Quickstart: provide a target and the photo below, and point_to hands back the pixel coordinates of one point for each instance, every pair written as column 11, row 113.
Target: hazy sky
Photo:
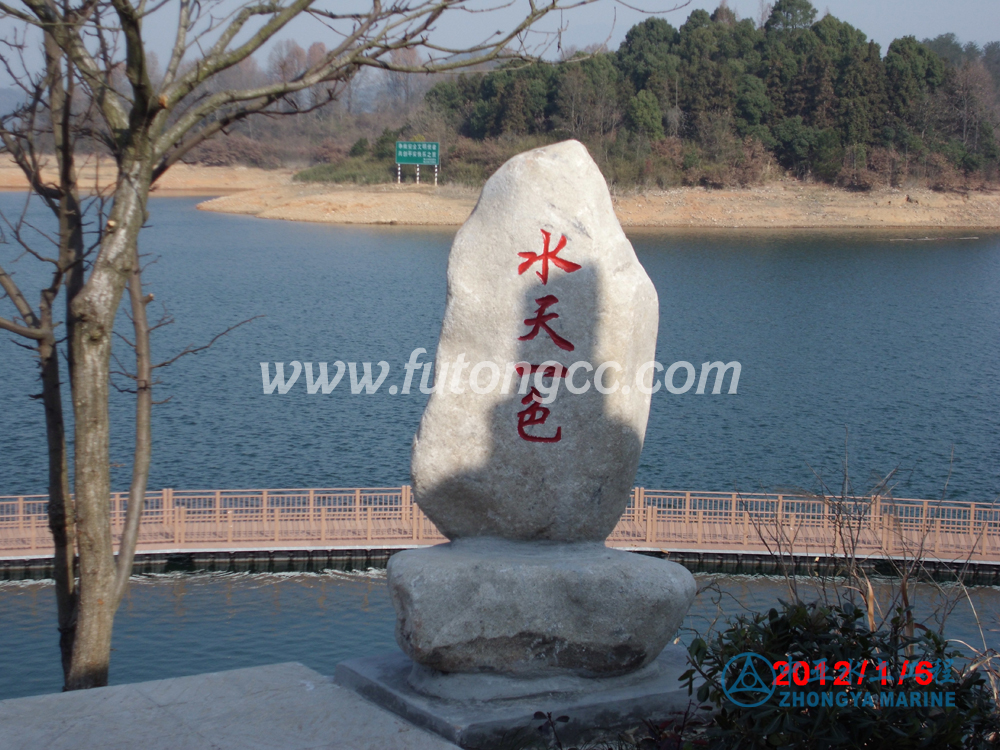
column 605, row 20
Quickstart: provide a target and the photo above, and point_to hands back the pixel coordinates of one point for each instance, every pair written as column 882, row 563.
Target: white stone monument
column 526, row 469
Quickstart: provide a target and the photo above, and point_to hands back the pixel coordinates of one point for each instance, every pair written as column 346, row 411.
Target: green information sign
column 418, row 152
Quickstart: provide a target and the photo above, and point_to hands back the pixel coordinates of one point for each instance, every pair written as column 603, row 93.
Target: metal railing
column 387, row 517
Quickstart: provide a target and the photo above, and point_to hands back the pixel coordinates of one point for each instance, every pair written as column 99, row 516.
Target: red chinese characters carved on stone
column 541, row 322
column 536, row 413
column 545, row 256
column 549, row 372
column 533, row 415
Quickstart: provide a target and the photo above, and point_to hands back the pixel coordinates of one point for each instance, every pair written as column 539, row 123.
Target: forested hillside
column 713, row 101
column 719, row 101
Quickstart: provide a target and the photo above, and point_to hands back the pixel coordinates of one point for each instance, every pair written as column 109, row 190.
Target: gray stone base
column 534, row 609
column 598, row 707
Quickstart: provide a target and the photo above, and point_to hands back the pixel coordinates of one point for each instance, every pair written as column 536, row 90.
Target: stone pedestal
column 530, row 609
column 476, row 711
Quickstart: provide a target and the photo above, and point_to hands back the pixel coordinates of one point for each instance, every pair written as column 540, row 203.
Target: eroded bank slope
column 780, row 204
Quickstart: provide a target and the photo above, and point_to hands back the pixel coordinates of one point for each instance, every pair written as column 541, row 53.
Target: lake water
column 171, row 626
column 893, row 344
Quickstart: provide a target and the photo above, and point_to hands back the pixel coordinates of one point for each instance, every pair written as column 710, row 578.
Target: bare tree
column 314, row 56
column 400, row 85
column 286, row 61
column 764, row 9
column 575, row 99
column 973, row 102
column 147, row 123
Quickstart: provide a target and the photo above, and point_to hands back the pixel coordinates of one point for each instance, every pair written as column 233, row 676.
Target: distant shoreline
column 779, row 205
column 193, row 180
column 784, row 204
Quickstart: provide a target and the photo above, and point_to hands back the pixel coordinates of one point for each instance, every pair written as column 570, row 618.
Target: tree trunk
column 95, row 308
column 61, row 521
column 62, row 514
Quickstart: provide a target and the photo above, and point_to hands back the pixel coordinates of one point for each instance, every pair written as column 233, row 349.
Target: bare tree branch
column 143, row 432
column 13, row 291
column 195, row 349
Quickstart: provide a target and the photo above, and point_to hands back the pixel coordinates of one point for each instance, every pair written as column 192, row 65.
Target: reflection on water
column 170, row 626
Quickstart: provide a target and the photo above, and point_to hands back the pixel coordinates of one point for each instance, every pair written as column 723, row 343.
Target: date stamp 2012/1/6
column 750, row 680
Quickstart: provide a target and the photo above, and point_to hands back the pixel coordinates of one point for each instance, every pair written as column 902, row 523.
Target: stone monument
column 526, row 464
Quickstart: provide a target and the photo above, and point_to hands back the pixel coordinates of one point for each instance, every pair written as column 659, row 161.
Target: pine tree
column 913, row 73
column 647, row 51
column 789, row 15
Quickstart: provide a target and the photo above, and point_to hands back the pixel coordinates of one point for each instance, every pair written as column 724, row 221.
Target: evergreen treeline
column 719, row 100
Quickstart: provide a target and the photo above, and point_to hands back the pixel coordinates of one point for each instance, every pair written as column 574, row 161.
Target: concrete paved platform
column 597, row 708
column 279, row 707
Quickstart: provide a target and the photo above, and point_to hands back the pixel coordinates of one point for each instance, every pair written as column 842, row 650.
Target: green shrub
column 828, row 155
column 644, row 115
column 811, row 633
column 360, row 148
column 385, row 145
column 360, row 171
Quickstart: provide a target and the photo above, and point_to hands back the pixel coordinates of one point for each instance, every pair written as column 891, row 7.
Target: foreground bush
column 812, row 633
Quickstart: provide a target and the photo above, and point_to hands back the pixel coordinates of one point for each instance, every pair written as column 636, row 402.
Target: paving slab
column 275, row 707
column 597, row 708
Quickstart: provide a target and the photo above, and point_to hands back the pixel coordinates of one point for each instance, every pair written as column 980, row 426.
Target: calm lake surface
column 171, row 626
column 893, row 345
